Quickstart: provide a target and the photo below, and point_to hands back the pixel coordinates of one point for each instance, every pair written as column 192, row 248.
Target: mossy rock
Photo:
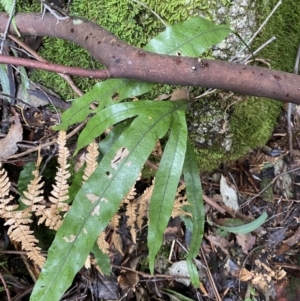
column 223, row 127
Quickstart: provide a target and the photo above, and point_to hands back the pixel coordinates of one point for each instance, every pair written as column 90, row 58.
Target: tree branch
column 125, row 61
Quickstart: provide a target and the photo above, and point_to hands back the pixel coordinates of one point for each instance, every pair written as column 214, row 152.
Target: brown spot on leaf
column 72, row 30
column 120, row 154
column 277, row 77
column 92, row 197
column 70, row 239
column 96, row 210
column 115, row 96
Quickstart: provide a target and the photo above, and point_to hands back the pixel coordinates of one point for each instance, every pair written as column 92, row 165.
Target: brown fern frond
column 34, row 193
column 19, row 231
column 5, row 198
column 91, row 160
column 52, row 216
column 131, row 218
column 102, row 243
column 88, row 263
column 114, row 223
column 18, row 221
column 180, row 202
column 130, row 212
column 116, row 239
column 143, row 205
column 49, row 216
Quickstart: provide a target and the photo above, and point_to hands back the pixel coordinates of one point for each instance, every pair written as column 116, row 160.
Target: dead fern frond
column 33, row 195
column 52, row 216
column 102, row 243
column 91, row 160
column 116, row 239
column 143, row 205
column 5, row 198
column 180, row 202
column 19, row 231
column 131, row 208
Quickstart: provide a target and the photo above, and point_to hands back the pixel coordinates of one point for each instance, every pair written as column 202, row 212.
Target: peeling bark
column 125, row 61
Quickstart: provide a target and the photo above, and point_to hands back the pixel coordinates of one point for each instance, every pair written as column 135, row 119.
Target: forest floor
column 261, row 265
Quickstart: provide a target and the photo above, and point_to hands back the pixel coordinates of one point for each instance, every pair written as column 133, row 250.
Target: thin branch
column 289, row 113
column 126, row 61
column 41, row 59
column 11, row 14
column 5, row 287
column 152, row 11
column 260, row 28
column 100, row 74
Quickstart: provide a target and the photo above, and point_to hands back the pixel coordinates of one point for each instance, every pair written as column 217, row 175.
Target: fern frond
column 5, row 198
column 91, row 160
column 131, row 207
column 143, row 205
column 34, row 193
column 180, row 202
column 19, row 231
column 116, row 239
column 102, row 243
column 51, row 216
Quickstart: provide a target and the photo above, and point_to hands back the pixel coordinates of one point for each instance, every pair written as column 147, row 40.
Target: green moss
column 285, row 25
column 246, row 124
column 252, row 120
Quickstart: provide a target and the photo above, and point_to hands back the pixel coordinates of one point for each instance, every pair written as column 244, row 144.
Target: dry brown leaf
column 220, row 242
column 178, row 94
column 245, row 275
column 8, row 145
column 246, row 241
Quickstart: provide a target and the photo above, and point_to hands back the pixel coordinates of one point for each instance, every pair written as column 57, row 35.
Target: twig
column 41, row 59
column 260, row 28
column 34, row 149
column 152, row 11
column 7, row 25
column 5, row 287
column 53, row 12
column 211, row 279
column 259, row 49
column 272, row 182
column 289, row 112
column 101, row 74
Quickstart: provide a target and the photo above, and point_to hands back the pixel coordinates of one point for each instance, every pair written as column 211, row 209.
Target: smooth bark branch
column 125, row 61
